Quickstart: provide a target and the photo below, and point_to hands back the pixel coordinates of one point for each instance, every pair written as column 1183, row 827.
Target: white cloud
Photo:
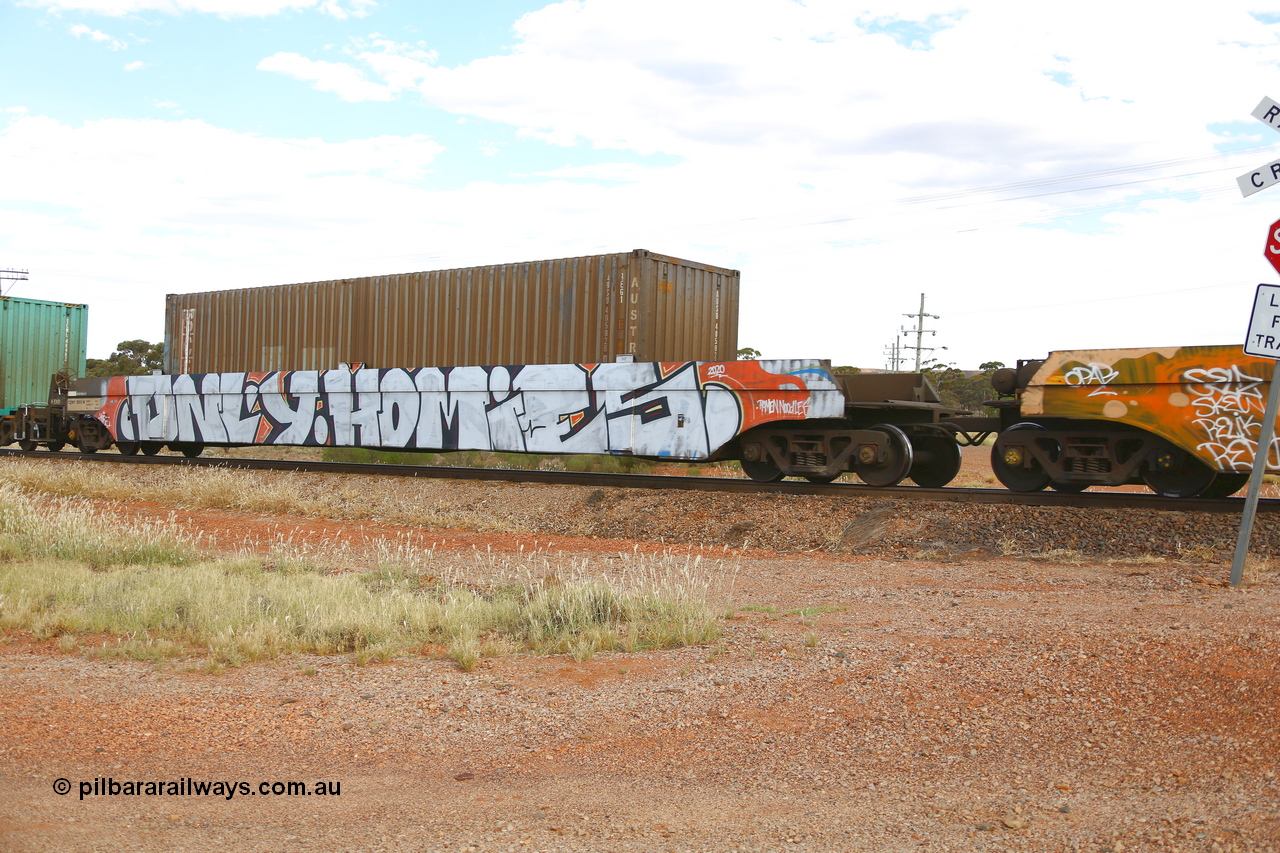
column 132, row 210
column 117, row 213
column 339, row 78
column 1047, row 181
column 135, row 66
column 341, row 9
column 630, row 172
column 822, row 88
column 81, row 31
column 402, row 66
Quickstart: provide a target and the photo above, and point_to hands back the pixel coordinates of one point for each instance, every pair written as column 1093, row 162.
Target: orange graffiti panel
column 1210, row 401
column 763, row 395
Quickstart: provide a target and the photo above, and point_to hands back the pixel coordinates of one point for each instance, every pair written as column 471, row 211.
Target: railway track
column 1094, row 500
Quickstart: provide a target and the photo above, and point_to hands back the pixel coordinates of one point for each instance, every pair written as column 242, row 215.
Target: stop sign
column 1273, row 245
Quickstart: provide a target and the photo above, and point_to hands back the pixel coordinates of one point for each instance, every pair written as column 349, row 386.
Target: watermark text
column 185, row 786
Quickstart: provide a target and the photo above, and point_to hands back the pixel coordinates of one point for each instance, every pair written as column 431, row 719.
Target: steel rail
column 1084, row 500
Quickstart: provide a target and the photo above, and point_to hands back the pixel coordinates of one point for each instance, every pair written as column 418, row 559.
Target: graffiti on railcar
column 1092, row 374
column 1228, row 404
column 685, row 410
column 1207, row 400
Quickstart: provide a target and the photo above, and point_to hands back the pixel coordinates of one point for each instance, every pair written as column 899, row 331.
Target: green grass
column 820, row 610
column 760, row 608
column 69, row 574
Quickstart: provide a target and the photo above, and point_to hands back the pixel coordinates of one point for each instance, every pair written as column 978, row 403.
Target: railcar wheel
column 1174, row 473
column 1068, row 488
column 1014, row 467
column 191, row 451
column 762, row 470
column 127, row 448
column 894, row 467
column 151, row 448
column 55, row 446
column 26, row 444
column 756, row 461
column 935, row 461
column 1225, row 485
column 822, row 478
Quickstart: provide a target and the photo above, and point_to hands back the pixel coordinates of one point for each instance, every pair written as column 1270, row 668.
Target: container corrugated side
column 588, row 309
column 691, row 307
column 38, row 338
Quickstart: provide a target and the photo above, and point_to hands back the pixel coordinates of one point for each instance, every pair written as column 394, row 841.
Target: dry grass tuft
column 249, row 491
column 1258, row 570
column 66, row 573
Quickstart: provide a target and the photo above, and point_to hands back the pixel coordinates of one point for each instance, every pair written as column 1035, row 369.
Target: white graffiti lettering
column 1228, row 405
column 645, row 409
column 1094, row 373
column 792, row 408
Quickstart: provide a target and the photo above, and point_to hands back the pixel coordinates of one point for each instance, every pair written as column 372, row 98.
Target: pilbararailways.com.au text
column 188, row 787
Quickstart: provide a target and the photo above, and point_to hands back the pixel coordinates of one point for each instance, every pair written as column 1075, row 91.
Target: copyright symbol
column 61, row 787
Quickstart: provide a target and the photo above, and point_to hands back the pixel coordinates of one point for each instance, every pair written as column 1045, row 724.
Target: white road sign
column 1267, row 112
column 1264, row 323
column 1259, row 179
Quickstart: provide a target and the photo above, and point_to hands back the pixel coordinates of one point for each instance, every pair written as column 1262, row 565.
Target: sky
column 1048, row 176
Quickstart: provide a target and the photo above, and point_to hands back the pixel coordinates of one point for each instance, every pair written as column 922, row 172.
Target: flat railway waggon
column 779, row 418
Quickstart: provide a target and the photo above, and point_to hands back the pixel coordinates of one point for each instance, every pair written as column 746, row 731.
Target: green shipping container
column 37, row 340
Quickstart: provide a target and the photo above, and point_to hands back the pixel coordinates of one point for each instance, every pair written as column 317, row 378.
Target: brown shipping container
column 585, row 310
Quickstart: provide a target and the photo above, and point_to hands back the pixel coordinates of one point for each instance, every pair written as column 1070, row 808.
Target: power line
column 11, row 275
column 1104, row 299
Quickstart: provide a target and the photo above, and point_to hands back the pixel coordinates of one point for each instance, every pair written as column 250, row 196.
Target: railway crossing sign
column 1268, row 112
column 1264, row 323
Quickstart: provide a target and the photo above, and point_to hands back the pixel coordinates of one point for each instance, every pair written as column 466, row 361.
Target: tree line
column 130, row 358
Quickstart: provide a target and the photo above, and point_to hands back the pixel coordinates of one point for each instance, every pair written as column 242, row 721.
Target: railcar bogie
column 880, row 456
column 894, row 427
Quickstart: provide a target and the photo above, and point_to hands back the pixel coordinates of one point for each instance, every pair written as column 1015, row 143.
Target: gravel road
column 932, row 677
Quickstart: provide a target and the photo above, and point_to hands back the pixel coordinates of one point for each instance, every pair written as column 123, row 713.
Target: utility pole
column 11, row 275
column 919, row 331
column 895, row 357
